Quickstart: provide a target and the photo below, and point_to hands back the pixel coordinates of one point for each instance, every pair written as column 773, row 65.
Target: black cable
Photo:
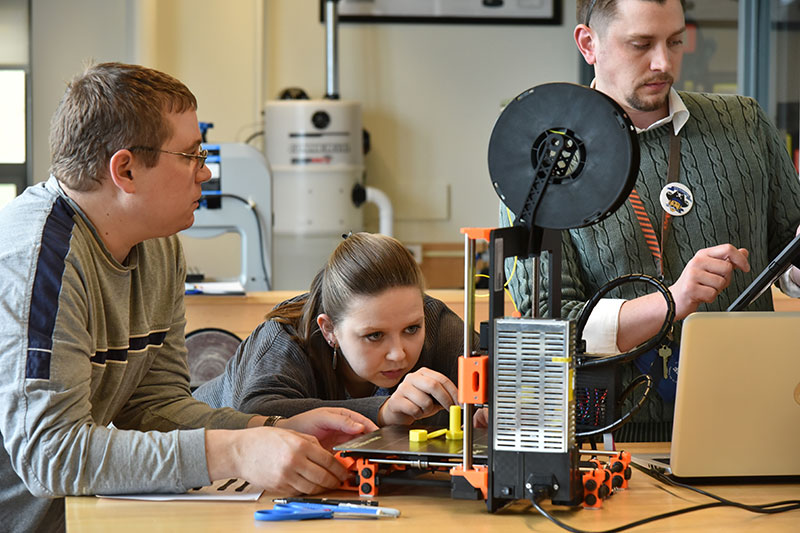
column 624, row 418
column 261, row 250
column 669, row 318
column 769, row 508
column 659, row 476
column 253, row 136
column 623, row 527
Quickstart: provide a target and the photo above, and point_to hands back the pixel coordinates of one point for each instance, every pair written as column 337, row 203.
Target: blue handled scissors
column 287, row 511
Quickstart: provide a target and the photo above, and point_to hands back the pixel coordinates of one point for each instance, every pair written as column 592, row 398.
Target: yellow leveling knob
column 454, row 431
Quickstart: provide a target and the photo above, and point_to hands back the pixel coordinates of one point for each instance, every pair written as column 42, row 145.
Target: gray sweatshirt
column 84, row 342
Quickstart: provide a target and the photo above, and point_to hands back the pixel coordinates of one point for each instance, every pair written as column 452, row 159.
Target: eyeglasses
column 200, row 157
column 589, row 12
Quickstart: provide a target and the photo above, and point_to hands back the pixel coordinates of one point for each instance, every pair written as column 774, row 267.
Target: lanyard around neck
column 673, row 173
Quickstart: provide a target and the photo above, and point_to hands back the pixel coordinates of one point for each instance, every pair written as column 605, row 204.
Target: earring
column 335, row 356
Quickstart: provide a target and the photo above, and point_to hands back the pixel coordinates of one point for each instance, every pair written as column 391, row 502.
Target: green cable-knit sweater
column 746, row 192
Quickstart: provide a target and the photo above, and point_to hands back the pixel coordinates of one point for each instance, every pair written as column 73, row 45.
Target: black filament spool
column 598, row 162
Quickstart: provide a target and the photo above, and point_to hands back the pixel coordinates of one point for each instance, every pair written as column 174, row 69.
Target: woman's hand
column 481, row 418
column 419, row 395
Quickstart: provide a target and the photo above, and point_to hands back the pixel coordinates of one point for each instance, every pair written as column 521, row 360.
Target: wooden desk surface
column 781, row 302
column 430, row 509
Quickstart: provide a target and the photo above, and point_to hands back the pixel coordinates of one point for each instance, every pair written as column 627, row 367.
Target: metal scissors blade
column 290, row 512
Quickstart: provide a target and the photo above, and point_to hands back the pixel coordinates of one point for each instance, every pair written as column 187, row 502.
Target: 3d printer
column 561, row 156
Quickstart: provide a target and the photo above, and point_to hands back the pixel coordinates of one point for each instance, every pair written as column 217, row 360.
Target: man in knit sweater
column 732, row 163
column 92, row 320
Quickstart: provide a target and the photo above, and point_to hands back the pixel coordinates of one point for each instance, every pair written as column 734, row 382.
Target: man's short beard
column 636, row 103
column 640, row 105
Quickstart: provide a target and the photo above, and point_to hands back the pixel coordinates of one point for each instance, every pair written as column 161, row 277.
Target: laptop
column 737, row 410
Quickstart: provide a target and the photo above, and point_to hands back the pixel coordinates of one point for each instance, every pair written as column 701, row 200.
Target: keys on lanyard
column 665, row 352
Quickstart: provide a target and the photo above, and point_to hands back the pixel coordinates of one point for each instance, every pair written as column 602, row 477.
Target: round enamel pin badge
column 676, row 199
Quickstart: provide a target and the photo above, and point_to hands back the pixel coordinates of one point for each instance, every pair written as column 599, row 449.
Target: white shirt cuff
column 788, row 286
column 600, row 332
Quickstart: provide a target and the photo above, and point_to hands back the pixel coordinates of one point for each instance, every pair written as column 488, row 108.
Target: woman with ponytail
column 365, row 337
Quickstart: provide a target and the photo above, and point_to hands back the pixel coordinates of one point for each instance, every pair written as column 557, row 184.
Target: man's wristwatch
column 272, row 420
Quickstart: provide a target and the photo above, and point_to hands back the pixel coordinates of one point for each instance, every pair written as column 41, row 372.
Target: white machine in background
column 315, row 150
column 316, row 158
column 238, row 198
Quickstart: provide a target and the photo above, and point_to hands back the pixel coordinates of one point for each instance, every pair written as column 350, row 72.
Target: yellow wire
column 505, row 285
column 481, row 295
column 512, row 300
column 514, row 268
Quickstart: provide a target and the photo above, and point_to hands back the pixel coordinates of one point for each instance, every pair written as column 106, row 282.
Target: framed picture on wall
column 449, row 11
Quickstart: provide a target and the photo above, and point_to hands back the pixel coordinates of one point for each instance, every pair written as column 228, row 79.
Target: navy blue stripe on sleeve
column 153, row 339
column 46, row 288
column 136, row 344
column 119, row 355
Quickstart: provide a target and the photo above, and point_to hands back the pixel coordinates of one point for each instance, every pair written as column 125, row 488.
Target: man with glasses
column 94, row 383
column 200, row 156
column 719, row 156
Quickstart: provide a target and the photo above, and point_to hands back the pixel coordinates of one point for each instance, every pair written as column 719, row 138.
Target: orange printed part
column 346, row 461
column 606, row 471
column 594, row 488
column 351, row 483
column 367, row 478
column 620, row 468
column 472, row 373
column 478, row 477
column 477, row 233
column 623, row 456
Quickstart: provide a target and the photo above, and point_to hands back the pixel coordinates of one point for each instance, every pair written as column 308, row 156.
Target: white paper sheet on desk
column 215, row 287
column 221, row 490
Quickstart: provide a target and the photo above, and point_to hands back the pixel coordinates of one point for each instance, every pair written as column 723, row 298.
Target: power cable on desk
column 767, row 508
column 252, row 206
column 655, row 474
